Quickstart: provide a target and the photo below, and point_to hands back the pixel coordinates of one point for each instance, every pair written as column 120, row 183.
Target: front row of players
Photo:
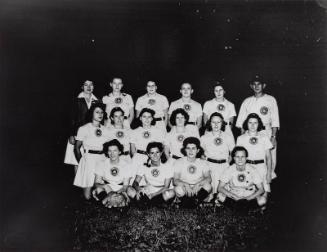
column 187, row 180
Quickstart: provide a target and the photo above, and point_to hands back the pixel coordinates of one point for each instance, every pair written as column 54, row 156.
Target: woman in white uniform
column 217, row 145
column 91, row 136
column 112, row 174
column 179, row 131
column 258, row 146
column 143, row 135
column 157, row 173
column 80, row 108
column 117, row 130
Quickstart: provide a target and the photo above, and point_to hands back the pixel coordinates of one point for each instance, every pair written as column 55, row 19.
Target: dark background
column 48, row 48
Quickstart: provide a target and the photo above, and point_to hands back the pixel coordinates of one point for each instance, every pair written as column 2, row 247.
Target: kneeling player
column 112, row 177
column 241, row 181
column 192, row 178
column 157, row 173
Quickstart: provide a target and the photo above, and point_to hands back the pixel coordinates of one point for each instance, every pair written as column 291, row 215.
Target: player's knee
column 169, row 194
column 221, row 197
column 207, row 187
column 180, row 192
column 261, row 200
column 131, row 192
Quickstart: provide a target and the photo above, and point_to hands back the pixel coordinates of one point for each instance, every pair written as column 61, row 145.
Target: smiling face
column 191, row 150
column 116, row 84
column 113, row 152
column 155, row 154
column 186, row 90
column 98, row 114
column 253, row 125
column 219, row 92
column 88, row 87
column 257, row 87
column 240, row 158
column 216, row 123
column 146, row 119
column 151, row 87
column 118, row 118
column 180, row 120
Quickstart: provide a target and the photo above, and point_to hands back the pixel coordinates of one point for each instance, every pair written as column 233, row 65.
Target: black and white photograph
column 163, row 125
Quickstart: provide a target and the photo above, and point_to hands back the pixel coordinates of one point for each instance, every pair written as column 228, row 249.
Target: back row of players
column 258, row 119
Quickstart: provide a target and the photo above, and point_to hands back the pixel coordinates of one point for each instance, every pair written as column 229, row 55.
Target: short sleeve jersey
column 175, row 139
column 92, row 137
column 265, row 106
column 255, row 145
column 225, row 108
column 157, row 102
column 113, row 173
column 241, row 179
column 141, row 137
column 156, row 175
column 124, row 101
column 217, row 147
column 193, row 108
column 122, row 135
column 191, row 172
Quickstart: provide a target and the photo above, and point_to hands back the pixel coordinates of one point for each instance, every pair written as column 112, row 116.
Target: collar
column 82, row 95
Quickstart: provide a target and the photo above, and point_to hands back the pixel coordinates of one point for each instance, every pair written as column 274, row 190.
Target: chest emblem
column 221, row 107
column 264, row 110
column 180, row 138
column 98, row 132
column 187, row 107
column 151, row 102
column 218, row 141
column 253, row 140
column 114, row 171
column 191, row 169
column 119, row 134
column 155, row 172
column 118, row 100
column 241, row 177
column 146, row 134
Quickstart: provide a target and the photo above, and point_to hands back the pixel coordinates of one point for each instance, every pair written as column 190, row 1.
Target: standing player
column 217, row 147
column 112, row 175
column 193, row 108
column 266, row 107
column 258, row 146
column 157, row 173
column 156, row 102
column 118, row 99
column 192, row 178
column 118, row 131
column 221, row 105
column 241, row 181
column 91, row 136
column 80, row 108
column 179, row 131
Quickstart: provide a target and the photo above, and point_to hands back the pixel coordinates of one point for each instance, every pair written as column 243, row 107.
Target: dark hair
column 175, row 113
column 223, row 123
column 151, row 111
column 113, row 142
column 192, row 140
column 116, row 77
column 86, row 81
column 113, row 111
column 161, row 149
column 89, row 115
column 236, row 149
column 256, row 116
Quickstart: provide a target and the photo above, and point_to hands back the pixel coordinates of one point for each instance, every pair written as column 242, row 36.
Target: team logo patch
column 253, row 140
column 264, row 110
column 155, row 172
column 119, row 134
column 98, row 132
column 187, row 107
column 221, row 107
column 191, row 169
column 180, row 138
column 241, row 177
column 151, row 101
column 218, row 141
column 118, row 100
column 114, row 171
column 146, row 134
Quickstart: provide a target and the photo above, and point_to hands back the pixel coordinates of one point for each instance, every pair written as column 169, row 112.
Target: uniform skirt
column 216, row 171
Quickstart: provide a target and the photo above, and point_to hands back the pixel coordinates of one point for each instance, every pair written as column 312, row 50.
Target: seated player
column 192, row 178
column 157, row 173
column 241, row 181
column 112, row 176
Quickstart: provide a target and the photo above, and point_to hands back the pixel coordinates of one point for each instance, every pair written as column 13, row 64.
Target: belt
column 159, row 119
column 193, row 123
column 220, row 161
column 142, row 152
column 175, row 157
column 95, row 151
column 125, row 153
column 261, row 161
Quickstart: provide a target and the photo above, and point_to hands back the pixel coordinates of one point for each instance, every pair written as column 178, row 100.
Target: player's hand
column 273, row 142
column 96, row 191
column 72, row 140
column 127, row 198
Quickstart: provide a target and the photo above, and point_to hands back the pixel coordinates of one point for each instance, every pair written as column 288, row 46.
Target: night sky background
column 48, row 48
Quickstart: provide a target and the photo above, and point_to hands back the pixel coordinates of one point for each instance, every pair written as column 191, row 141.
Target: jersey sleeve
column 81, row 133
column 171, row 108
column 140, row 170
column 206, row 108
column 274, row 114
column 130, row 101
column 230, row 142
column 225, row 176
column 133, row 138
column 177, row 167
column 138, row 104
column 105, row 99
column 232, row 110
column 267, row 144
column 165, row 103
column 241, row 115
